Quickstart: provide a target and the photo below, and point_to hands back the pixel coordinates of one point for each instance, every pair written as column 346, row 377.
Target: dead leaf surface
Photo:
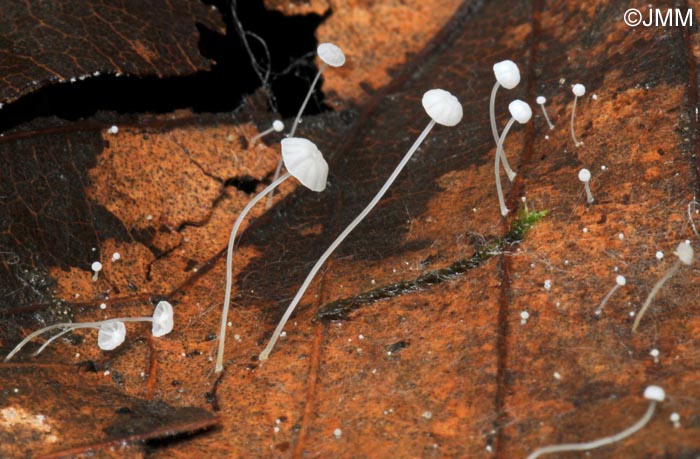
column 448, row 369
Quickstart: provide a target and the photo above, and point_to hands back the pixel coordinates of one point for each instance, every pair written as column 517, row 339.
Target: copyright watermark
column 658, row 17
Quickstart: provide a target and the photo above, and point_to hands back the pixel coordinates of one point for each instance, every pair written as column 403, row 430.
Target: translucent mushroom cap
column 331, row 54
column 111, row 335
column 96, row 266
column 541, row 100
column 507, row 74
column 620, row 280
column 162, row 319
column 442, row 107
column 584, row 175
column 579, row 89
column 305, row 162
column 278, row 125
column 654, row 393
column 520, row 110
column 685, row 253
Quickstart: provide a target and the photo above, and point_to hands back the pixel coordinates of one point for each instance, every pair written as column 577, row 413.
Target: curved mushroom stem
column 229, row 274
column 310, row 277
column 69, row 327
column 546, row 117
column 653, row 293
column 606, row 298
column 278, row 171
column 261, row 134
column 499, row 150
column 294, row 126
column 589, row 195
column 573, row 112
column 494, row 130
column 601, row 441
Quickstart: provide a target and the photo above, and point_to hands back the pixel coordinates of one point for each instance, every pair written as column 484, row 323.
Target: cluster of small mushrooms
column 303, row 161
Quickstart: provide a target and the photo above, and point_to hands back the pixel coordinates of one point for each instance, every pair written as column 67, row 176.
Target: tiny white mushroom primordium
column 110, row 330
column 584, row 175
column 521, row 112
column 620, row 281
column 330, row 54
column 685, row 255
column 541, row 100
column 304, row 162
column 277, row 126
column 579, row 90
column 507, row 75
column 443, row 108
column 654, row 394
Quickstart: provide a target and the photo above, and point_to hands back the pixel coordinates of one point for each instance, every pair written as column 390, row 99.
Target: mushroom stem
column 589, row 195
column 653, row 293
column 494, row 130
column 546, row 117
column 306, row 100
column 278, row 171
column 601, row 441
column 499, row 151
column 261, row 134
column 619, row 282
column 229, row 274
column 290, row 309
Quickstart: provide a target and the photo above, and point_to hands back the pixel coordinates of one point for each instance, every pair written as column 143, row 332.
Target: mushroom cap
column 654, row 393
column 541, row 100
column 96, row 266
column 685, row 253
column 584, row 175
column 331, row 54
column 305, row 162
column 579, row 89
column 162, row 319
column 507, row 73
column 442, row 107
column 620, row 280
column 111, row 335
column 520, row 110
column 278, row 125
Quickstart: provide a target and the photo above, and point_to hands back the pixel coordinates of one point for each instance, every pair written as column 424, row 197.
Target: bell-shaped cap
column 685, row 253
column 442, row 107
column 111, row 335
column 162, row 319
column 507, row 73
column 331, row 54
column 654, row 393
column 520, row 110
column 305, row 162
column 541, row 100
column 578, row 90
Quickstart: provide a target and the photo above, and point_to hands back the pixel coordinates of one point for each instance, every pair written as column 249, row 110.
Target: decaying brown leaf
column 446, row 368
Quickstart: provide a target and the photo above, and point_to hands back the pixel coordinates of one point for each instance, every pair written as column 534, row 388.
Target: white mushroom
column 579, row 90
column 685, row 255
column 584, row 175
column 507, row 75
column 277, row 126
column 444, row 109
column 521, row 112
column 654, row 394
column 541, row 100
column 303, row 161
